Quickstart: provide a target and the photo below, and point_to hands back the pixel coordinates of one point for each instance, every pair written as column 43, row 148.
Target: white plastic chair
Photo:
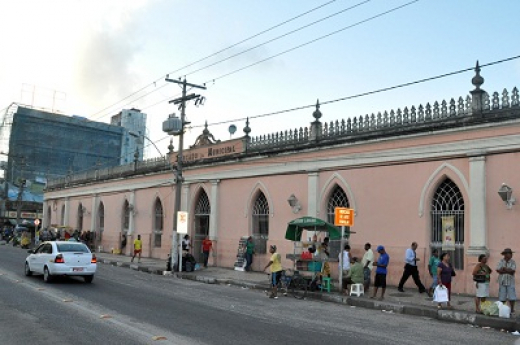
column 357, row 290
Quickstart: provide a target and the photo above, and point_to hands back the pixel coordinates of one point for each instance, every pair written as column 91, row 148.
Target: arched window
column 158, row 223
column 80, row 218
column 63, row 215
column 261, row 223
column 101, row 222
column 201, row 218
column 49, row 217
column 337, row 198
column 447, row 221
column 126, row 217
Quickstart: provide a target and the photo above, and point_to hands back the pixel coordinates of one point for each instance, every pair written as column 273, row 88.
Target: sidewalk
column 411, row 302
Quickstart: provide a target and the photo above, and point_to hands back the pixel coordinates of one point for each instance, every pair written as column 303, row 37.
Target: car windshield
column 72, row 247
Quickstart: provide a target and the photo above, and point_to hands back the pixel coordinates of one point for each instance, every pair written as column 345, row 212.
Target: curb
column 462, row 317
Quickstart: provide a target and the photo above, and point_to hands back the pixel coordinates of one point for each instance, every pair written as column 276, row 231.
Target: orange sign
column 343, row 216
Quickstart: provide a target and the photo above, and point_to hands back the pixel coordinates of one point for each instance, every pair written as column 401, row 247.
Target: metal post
column 178, row 180
column 176, row 240
column 342, row 244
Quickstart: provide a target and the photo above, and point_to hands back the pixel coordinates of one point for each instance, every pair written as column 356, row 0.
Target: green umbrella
column 296, row 227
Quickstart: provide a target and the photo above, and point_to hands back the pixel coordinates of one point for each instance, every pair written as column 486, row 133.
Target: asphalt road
column 124, row 306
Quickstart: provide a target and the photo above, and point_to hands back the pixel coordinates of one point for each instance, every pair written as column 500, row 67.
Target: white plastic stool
column 357, row 289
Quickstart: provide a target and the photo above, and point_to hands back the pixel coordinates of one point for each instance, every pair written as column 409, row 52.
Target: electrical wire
column 293, row 48
column 214, row 54
column 398, row 86
column 281, row 36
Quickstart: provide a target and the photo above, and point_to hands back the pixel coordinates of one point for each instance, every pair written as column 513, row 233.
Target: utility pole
column 19, row 199
column 175, row 127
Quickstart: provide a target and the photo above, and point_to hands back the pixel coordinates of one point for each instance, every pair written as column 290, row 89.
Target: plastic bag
column 440, row 295
column 488, row 308
column 504, row 311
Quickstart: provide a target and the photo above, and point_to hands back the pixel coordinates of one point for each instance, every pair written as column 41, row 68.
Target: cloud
column 104, row 64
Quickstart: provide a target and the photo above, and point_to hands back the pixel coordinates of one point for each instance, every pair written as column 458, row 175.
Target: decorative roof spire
column 477, row 79
column 247, row 129
column 317, row 112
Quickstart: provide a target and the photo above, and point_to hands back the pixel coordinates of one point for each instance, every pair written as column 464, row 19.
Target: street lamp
column 140, row 137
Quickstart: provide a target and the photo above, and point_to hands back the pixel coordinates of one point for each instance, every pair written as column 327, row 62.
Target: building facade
column 134, row 122
column 428, row 174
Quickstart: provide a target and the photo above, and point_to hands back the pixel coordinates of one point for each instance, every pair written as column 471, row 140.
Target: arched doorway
column 201, row 219
column 447, row 214
column 260, row 220
column 158, row 224
column 100, row 223
column 79, row 226
column 337, row 198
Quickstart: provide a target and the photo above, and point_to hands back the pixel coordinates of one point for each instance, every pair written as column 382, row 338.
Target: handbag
column 440, row 294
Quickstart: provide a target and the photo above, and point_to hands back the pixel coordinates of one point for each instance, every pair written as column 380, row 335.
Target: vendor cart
column 311, row 259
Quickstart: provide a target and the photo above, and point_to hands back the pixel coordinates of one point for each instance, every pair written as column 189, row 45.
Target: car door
column 35, row 259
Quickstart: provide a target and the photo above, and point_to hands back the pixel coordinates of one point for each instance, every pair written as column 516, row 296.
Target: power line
column 282, row 36
column 315, row 40
column 363, row 94
column 216, row 53
column 293, row 48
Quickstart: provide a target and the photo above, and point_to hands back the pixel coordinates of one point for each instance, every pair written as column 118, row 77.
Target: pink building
column 428, row 174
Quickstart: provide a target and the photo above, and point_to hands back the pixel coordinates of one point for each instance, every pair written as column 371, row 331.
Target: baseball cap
column 379, row 248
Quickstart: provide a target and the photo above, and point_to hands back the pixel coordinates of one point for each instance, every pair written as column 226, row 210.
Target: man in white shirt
column 368, row 259
column 410, row 269
column 346, row 261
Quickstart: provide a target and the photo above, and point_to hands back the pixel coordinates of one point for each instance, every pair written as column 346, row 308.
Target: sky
column 94, row 58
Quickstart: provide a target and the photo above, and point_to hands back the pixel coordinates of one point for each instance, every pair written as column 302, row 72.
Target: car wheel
column 28, row 271
column 46, row 275
column 88, row 279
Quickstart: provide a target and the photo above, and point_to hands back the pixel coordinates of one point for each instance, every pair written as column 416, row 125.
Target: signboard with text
column 182, row 222
column 343, row 216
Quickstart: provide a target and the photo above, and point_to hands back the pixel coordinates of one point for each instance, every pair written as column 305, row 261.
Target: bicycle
column 293, row 282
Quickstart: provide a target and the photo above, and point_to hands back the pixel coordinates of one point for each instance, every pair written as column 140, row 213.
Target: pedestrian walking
column 367, row 261
column 445, row 272
column 276, row 270
column 381, row 271
column 250, row 251
column 432, row 269
column 481, row 276
column 207, row 244
column 506, row 279
column 410, row 269
column 138, row 245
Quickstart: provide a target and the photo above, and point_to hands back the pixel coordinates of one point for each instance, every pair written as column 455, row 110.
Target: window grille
column 101, row 220
column 80, row 218
column 337, row 198
column 63, row 215
column 126, row 217
column 448, row 204
column 201, row 218
column 261, row 223
column 158, row 223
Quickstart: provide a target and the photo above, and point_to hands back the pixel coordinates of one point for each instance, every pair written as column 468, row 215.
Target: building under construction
column 39, row 145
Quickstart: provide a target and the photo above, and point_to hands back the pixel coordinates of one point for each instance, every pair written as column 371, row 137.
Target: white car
column 61, row 258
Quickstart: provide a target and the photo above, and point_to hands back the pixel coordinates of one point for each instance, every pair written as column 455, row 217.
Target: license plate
column 77, row 269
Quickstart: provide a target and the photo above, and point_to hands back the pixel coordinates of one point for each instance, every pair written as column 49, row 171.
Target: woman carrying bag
column 481, row 277
column 444, row 273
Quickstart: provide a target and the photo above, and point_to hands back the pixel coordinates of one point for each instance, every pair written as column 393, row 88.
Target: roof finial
column 247, row 129
column 317, row 112
column 477, row 79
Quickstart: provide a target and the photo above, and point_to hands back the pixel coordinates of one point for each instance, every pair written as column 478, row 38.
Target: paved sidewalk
column 410, row 302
